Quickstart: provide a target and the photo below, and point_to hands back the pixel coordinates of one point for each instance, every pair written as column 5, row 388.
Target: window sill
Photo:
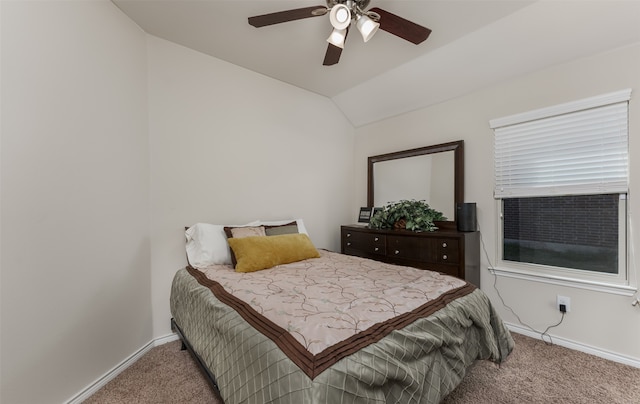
column 623, row 290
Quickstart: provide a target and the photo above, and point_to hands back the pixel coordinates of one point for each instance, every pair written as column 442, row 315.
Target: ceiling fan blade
column 288, row 15
column 332, row 56
column 398, row 26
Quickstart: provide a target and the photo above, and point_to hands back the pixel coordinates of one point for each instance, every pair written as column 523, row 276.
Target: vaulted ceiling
column 474, row 43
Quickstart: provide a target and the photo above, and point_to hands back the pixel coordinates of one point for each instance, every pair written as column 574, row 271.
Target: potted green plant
column 411, row 215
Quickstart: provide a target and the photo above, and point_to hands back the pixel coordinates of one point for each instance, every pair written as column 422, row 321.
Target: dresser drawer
column 411, row 248
column 364, row 242
column 448, row 251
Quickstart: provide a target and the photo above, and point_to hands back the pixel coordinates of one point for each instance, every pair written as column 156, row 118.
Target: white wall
column 108, row 152
column 231, row 146
column 75, row 291
column 600, row 320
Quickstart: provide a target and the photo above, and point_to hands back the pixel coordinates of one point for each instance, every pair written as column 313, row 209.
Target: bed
column 327, row 327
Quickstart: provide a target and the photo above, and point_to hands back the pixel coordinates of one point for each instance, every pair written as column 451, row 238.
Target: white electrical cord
column 495, row 281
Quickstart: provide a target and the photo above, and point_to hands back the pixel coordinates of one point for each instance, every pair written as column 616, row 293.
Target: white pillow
column 207, row 244
column 299, row 223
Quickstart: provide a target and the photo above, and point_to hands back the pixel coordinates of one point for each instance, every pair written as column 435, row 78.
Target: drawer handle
column 348, row 244
column 376, row 239
column 444, row 257
column 444, row 245
column 397, row 252
column 376, row 249
column 348, row 234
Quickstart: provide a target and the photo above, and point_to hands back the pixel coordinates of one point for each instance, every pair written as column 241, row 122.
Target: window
column 561, row 181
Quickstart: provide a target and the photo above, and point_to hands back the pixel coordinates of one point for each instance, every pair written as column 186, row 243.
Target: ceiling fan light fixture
column 367, row 27
column 340, row 16
column 337, row 38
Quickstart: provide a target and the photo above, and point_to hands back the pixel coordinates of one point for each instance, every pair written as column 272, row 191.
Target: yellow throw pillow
column 256, row 253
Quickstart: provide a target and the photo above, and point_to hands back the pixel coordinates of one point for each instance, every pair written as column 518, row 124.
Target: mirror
column 433, row 173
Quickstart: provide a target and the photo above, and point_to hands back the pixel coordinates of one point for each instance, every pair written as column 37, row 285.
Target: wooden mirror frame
column 458, row 152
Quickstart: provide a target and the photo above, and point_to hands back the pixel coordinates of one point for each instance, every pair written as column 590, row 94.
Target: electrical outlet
column 564, row 300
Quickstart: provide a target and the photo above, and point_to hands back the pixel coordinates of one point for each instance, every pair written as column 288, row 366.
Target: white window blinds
column 571, row 149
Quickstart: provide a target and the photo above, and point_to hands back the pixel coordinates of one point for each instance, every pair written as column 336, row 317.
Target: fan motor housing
column 361, row 4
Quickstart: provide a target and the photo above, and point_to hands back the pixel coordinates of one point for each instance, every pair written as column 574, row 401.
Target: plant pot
column 400, row 224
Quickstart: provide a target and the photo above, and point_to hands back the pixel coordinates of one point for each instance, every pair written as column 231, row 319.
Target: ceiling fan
column 344, row 13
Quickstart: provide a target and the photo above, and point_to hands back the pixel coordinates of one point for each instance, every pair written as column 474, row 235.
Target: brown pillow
column 256, row 253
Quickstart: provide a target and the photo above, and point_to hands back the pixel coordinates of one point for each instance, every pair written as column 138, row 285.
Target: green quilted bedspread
column 420, row 363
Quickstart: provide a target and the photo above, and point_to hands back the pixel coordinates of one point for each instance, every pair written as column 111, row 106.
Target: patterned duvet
column 335, row 329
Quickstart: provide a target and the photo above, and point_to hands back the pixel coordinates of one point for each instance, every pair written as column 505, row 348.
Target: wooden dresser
column 448, row 251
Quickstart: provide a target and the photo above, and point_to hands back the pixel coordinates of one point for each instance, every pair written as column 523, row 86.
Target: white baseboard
column 577, row 346
column 111, row 374
column 167, row 338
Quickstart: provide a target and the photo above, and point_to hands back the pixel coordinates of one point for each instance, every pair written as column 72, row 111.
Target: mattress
column 261, row 350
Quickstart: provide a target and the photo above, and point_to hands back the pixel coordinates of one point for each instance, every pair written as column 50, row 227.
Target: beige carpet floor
column 534, row 373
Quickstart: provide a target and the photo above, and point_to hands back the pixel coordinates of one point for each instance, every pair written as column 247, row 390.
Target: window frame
column 571, row 274
column 621, row 283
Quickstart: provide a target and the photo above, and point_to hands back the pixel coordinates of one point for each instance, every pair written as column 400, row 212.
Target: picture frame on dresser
column 365, row 214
